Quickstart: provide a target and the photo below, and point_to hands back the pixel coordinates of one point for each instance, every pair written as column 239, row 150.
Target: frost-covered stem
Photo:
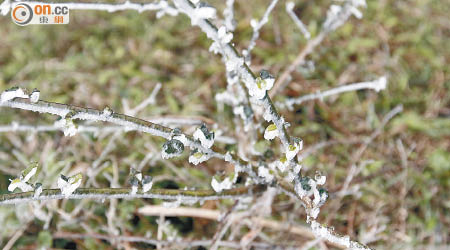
column 228, row 13
column 297, row 21
column 128, row 122
column 377, row 85
column 124, row 193
column 281, row 82
column 258, row 25
column 161, row 6
column 328, row 234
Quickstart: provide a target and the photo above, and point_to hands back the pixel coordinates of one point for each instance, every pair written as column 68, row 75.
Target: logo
column 39, row 13
column 22, row 14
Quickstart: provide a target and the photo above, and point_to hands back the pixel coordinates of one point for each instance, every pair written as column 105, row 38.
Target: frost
column 69, row 185
column 293, row 149
column 197, row 157
column 228, row 157
column 202, row 11
column 134, row 182
column 271, row 132
column 320, row 179
column 262, row 84
column 264, row 172
column 17, row 183
column 68, row 126
column 172, row 148
column 107, row 112
column 218, row 185
column 34, row 96
column 323, row 232
column 380, row 83
column 338, row 15
column 234, row 63
column 223, row 35
column 147, row 184
column 206, row 138
column 37, row 190
column 12, row 93
column 303, row 186
column 22, row 181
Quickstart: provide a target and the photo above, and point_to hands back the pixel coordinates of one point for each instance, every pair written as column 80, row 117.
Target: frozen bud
column 302, row 186
column 265, row 173
column 34, row 96
column 37, row 190
column 206, row 138
column 135, row 173
column 271, row 132
column 294, row 148
column 320, row 179
column 219, row 185
column 197, row 157
column 26, row 174
column 223, row 35
column 107, row 112
column 172, row 148
column 264, row 83
column 147, row 183
column 69, row 185
column 12, row 93
column 18, row 183
column 134, row 182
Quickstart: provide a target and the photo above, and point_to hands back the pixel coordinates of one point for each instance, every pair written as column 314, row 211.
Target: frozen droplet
column 205, row 137
column 34, row 96
column 172, row 148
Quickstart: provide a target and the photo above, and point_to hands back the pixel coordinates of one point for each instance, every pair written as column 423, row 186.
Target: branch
column 125, row 193
column 377, row 85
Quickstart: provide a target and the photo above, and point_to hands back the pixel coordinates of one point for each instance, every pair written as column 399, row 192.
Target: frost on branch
column 34, row 96
column 172, row 148
column 271, row 132
column 67, row 124
column 218, row 185
column 224, row 37
column 147, row 183
column 262, row 84
column 12, row 93
column 290, row 10
column 69, row 185
column 22, row 181
column 202, row 11
column 293, row 149
column 266, row 173
column 205, row 137
column 197, row 157
column 337, row 15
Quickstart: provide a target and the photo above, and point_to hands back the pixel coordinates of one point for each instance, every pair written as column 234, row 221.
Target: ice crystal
column 197, row 157
column 206, row 138
column 69, row 185
column 147, row 184
column 265, row 173
column 172, row 148
column 34, row 96
column 219, row 185
column 12, row 93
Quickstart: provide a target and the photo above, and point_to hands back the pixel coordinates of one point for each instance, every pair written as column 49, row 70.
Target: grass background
column 101, row 58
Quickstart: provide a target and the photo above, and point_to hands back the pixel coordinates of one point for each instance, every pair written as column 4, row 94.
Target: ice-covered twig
column 377, row 85
column 290, row 10
column 228, row 13
column 161, row 6
column 327, row 234
column 257, row 25
column 125, row 193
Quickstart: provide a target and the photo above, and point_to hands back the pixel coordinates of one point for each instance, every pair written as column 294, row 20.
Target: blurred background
column 398, row 197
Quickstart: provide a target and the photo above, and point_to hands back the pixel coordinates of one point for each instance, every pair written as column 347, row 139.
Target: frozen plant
column 68, row 185
column 205, row 137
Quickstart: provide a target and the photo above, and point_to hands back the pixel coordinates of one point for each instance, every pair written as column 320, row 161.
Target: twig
column 111, row 193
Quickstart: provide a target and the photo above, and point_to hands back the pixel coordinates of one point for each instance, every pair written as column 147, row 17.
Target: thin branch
column 297, row 21
column 377, row 85
column 125, row 193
